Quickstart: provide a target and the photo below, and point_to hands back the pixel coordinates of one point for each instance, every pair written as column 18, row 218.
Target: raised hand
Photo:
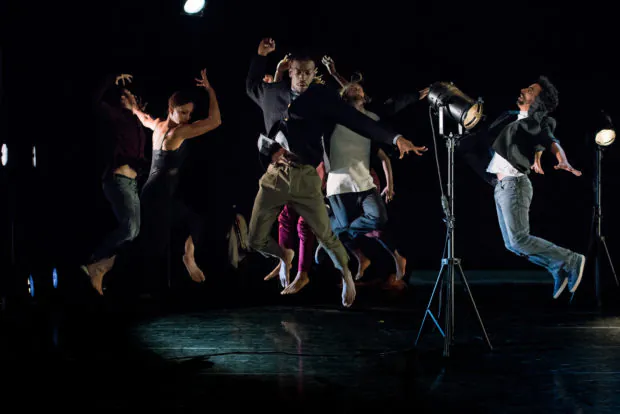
column 284, row 64
column 123, row 77
column 405, row 146
column 564, row 165
column 203, row 82
column 138, row 104
column 266, row 46
column 424, row 93
column 329, row 64
column 133, row 101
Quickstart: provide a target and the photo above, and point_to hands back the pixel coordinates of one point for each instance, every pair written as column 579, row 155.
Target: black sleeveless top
column 164, row 174
column 167, row 161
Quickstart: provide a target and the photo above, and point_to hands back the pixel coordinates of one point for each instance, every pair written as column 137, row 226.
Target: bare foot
column 287, row 261
column 363, row 264
column 393, row 283
column 97, row 271
column 348, row 289
column 401, row 265
column 192, row 268
column 300, row 281
column 275, row 272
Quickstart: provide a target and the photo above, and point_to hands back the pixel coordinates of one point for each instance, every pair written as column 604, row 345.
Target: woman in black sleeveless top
column 158, row 199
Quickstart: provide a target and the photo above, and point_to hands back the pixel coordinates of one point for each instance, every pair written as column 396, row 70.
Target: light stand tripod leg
column 428, row 312
column 449, row 337
column 613, row 271
column 445, row 247
column 473, row 302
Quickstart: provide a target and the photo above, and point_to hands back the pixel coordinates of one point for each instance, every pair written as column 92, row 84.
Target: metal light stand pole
column 449, row 264
column 597, row 240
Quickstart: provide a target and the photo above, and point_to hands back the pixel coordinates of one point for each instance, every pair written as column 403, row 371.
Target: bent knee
column 517, row 244
column 256, row 243
column 134, row 231
column 130, row 231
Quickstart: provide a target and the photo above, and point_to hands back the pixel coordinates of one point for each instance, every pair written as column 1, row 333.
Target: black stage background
column 53, row 54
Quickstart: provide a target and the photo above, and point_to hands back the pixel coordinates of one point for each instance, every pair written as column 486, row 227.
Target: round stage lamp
column 605, row 137
column 193, row 6
column 460, row 107
column 5, row 154
column 606, row 134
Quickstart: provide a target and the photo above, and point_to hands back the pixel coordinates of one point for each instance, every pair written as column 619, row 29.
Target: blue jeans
column 513, row 196
column 356, row 214
column 122, row 193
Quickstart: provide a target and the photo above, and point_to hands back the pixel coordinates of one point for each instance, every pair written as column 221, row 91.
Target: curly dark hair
column 548, row 95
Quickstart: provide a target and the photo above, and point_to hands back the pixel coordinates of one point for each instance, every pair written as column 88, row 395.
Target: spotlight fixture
column 606, row 134
column 460, row 107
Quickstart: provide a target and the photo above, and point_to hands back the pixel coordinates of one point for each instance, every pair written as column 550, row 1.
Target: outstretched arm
column 547, row 139
column 396, row 104
column 254, row 85
column 563, row 163
column 203, row 126
column 146, row 119
column 331, row 68
column 344, row 114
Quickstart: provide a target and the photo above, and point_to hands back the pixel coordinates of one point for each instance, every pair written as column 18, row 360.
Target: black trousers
column 162, row 212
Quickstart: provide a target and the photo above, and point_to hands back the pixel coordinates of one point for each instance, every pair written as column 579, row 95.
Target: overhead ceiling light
column 5, row 154
column 194, row 6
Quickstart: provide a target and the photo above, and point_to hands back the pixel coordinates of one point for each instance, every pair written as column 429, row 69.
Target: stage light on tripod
column 194, row 6
column 460, row 107
column 606, row 134
column 5, row 154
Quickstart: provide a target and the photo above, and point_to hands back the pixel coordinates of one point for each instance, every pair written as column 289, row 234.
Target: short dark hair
column 179, row 98
column 548, row 94
column 302, row 56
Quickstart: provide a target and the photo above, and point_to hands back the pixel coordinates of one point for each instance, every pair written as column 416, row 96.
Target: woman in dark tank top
column 160, row 204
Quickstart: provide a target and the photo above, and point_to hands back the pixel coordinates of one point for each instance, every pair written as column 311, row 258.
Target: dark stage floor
column 305, row 354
